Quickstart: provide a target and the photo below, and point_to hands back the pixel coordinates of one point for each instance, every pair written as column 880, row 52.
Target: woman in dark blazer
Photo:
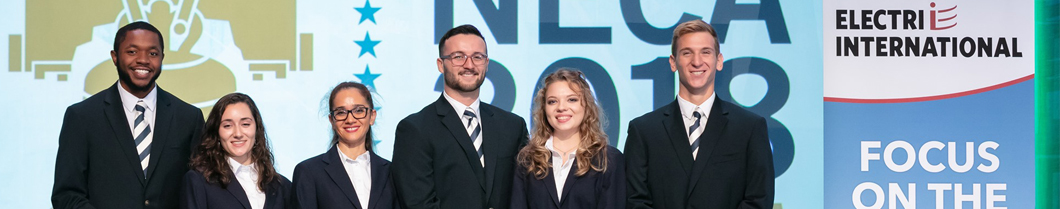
column 568, row 163
column 349, row 175
column 232, row 167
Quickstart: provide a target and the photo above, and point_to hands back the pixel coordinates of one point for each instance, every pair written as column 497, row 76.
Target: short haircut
column 462, row 29
column 138, row 25
column 693, row 26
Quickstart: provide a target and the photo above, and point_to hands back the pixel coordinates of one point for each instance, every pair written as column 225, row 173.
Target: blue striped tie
column 693, row 129
column 142, row 132
column 473, row 129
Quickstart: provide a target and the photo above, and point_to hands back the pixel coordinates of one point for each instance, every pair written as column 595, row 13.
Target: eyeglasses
column 460, row 59
column 358, row 112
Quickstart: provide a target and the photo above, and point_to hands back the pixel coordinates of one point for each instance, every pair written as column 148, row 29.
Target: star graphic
column 367, row 78
column 367, row 45
column 367, row 12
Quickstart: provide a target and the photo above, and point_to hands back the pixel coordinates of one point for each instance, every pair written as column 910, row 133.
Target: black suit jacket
column 322, row 182
column 436, row 164
column 733, row 169
column 592, row 190
column 198, row 193
column 97, row 165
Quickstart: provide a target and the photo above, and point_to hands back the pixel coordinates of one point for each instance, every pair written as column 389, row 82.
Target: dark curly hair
column 211, row 158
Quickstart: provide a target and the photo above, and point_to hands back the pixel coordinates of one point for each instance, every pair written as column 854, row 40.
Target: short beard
column 125, row 78
column 450, row 81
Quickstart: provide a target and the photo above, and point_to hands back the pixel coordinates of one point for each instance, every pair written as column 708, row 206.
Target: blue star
column 367, row 45
column 367, row 78
column 367, row 12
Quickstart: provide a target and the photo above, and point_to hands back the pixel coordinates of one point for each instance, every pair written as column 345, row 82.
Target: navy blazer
column 733, row 168
column 97, row 165
column 322, row 182
column 198, row 193
column 592, row 190
column 437, row 166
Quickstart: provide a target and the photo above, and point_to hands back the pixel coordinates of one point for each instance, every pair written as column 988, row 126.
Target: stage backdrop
column 929, row 104
column 288, row 54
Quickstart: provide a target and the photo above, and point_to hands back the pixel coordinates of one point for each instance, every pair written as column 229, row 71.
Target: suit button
column 147, row 202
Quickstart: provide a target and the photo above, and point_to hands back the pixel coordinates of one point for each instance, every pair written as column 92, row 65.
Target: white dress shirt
column 459, row 108
column 247, row 175
column 128, row 103
column 560, row 170
column 686, row 113
column 360, row 173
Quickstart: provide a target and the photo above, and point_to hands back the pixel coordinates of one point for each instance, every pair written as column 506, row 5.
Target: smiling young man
column 458, row 152
column 698, row 151
column 127, row 146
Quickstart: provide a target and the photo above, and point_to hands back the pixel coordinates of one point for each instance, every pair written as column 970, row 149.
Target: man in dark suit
column 698, row 151
column 458, row 152
column 127, row 146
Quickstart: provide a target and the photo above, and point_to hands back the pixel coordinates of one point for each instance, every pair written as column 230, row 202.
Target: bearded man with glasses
column 458, row 152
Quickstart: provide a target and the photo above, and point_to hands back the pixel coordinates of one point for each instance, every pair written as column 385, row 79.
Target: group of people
column 696, row 152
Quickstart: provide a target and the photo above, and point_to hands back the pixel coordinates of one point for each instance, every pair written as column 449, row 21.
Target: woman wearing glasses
column 349, row 175
column 568, row 163
column 232, row 167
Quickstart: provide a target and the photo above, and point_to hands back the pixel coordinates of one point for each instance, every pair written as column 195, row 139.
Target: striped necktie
column 694, row 132
column 474, row 130
column 143, row 136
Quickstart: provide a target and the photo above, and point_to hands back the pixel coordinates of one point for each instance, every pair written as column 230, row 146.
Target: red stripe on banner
column 929, row 98
column 950, row 9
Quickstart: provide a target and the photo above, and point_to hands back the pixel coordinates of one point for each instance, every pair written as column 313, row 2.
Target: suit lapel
column 273, row 195
column 333, row 166
column 711, row 135
column 380, row 173
column 236, row 190
column 451, row 120
column 675, row 129
column 489, row 145
column 120, row 125
column 161, row 128
column 550, row 185
column 571, row 178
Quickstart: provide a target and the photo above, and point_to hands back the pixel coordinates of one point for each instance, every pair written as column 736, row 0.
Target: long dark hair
column 211, row 158
column 331, row 106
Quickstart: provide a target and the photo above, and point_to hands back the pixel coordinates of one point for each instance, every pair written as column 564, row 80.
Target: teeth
column 142, row 71
column 698, row 72
column 352, row 129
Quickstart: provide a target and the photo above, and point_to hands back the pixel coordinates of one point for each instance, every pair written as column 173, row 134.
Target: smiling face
column 564, row 107
column 351, row 116
column 696, row 61
column 237, row 132
column 469, row 76
column 139, row 60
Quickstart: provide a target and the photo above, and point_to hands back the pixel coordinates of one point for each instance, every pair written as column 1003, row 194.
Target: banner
column 929, row 104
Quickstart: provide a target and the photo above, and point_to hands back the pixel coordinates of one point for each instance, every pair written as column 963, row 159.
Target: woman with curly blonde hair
column 568, row 162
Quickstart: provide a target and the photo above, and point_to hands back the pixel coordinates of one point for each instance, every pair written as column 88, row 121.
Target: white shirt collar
column 363, row 158
column 460, row 107
column 687, row 107
column 238, row 168
column 556, row 153
column 128, row 100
